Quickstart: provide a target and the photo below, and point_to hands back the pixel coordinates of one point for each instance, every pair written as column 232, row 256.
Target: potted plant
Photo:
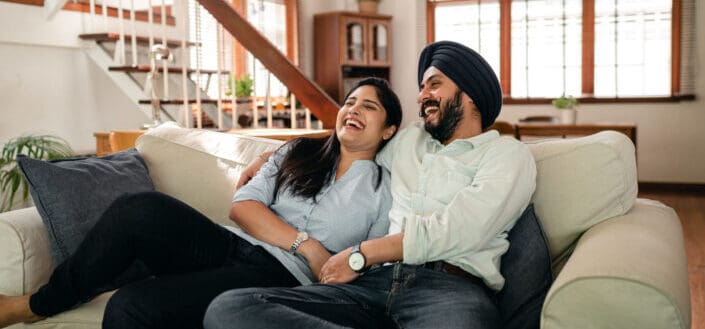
column 368, row 6
column 243, row 91
column 45, row 147
column 567, row 106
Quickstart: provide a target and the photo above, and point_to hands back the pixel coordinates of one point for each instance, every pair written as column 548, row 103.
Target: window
column 273, row 18
column 545, row 48
column 632, row 47
column 455, row 21
column 598, row 49
column 269, row 17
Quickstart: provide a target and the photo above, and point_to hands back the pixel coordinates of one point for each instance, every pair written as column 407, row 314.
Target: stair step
column 181, row 101
column 114, row 37
column 171, row 69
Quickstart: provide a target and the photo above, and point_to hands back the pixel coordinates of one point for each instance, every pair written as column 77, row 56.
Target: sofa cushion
column 581, row 182
column 71, row 194
column 199, row 167
column 526, row 268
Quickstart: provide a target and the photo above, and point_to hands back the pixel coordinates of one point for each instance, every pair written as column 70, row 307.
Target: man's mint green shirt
column 456, row 202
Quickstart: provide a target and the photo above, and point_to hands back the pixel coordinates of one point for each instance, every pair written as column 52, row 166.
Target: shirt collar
column 473, row 142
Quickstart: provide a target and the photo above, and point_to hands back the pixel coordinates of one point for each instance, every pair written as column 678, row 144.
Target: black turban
column 469, row 71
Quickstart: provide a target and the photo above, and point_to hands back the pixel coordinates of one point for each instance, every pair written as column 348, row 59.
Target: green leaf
column 42, row 147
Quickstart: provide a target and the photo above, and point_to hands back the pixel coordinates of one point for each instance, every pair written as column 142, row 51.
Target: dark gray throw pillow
column 72, row 194
column 526, row 268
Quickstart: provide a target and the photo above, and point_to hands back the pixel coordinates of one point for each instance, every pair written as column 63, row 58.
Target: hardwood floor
column 690, row 207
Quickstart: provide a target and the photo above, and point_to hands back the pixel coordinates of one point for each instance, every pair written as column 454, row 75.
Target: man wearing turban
column 457, row 189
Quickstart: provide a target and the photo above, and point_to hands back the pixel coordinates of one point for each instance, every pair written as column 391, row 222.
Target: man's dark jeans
column 168, row 260
column 398, row 296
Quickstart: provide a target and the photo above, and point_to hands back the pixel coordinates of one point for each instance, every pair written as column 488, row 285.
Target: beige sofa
column 620, row 261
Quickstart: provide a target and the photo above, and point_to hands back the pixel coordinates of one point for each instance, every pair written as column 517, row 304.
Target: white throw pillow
column 581, row 182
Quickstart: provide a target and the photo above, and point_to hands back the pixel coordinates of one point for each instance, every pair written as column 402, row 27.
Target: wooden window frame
column 588, row 54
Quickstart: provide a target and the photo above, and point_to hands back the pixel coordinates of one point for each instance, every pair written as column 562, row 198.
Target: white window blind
column 546, row 48
column 632, row 48
column 269, row 17
column 474, row 24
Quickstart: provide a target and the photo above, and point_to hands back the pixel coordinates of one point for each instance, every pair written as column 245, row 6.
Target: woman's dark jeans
column 168, row 260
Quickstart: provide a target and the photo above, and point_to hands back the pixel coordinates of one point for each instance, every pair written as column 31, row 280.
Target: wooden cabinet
column 349, row 46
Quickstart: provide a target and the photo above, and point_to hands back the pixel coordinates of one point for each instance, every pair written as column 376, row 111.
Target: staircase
column 181, row 92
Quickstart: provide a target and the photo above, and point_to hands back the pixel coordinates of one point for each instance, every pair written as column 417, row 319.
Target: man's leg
column 433, row 299
column 152, row 229
column 358, row 305
column 180, row 300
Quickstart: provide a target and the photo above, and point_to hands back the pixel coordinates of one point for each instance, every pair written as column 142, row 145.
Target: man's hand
column 315, row 253
column 337, row 270
column 252, row 169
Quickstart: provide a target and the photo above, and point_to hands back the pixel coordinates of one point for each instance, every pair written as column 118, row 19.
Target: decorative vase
column 367, row 6
column 568, row 116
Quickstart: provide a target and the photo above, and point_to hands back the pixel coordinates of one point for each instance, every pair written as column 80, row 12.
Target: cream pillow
column 199, row 167
column 581, row 182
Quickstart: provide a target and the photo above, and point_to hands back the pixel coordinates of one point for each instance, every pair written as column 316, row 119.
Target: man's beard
column 449, row 116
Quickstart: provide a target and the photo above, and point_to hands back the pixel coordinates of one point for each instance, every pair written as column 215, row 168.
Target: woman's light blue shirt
column 345, row 212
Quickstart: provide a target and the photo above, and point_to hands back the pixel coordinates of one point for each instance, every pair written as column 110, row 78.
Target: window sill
column 601, row 100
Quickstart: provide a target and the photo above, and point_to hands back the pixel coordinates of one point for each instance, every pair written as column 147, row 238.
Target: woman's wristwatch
column 300, row 238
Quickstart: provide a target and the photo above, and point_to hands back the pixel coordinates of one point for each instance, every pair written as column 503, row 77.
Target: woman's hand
column 252, row 168
column 337, row 270
column 315, row 253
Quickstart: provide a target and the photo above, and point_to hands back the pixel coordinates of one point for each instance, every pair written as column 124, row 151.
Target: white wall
column 671, row 138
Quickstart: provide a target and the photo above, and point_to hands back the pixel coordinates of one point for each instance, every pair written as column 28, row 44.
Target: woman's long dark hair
column 309, row 164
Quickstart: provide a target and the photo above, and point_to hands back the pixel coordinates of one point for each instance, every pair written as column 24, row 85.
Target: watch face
column 356, row 261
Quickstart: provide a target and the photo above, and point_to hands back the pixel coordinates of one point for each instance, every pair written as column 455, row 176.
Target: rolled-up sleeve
column 261, row 187
column 489, row 205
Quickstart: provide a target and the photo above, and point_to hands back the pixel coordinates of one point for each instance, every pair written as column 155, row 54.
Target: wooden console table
column 284, row 134
column 583, row 129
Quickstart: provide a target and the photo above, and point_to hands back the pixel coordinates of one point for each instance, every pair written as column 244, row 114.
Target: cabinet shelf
column 350, row 46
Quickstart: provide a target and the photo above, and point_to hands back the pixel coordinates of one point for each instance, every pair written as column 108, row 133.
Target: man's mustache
column 426, row 104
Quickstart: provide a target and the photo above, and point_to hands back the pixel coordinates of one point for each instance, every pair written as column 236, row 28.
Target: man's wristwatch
column 300, row 238
column 357, row 260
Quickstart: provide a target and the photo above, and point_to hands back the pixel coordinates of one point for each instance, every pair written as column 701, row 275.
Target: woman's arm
column 259, row 221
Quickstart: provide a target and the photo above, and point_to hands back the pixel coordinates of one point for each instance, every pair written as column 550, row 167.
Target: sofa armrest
column 25, row 256
column 626, row 272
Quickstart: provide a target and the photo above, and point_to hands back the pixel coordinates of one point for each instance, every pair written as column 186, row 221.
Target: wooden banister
column 306, row 91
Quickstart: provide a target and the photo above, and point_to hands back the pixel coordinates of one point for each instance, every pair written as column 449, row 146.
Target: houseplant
column 566, row 105
column 243, row 91
column 44, row 147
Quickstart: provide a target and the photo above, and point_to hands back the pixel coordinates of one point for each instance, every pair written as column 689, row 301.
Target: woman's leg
column 164, row 234
column 180, row 300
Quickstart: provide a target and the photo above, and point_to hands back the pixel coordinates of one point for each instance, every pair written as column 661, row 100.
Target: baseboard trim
column 671, row 187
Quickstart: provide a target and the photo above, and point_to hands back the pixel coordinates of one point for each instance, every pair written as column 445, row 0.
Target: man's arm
column 252, row 168
column 376, row 251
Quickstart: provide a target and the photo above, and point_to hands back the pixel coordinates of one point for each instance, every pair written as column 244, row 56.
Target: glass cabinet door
column 354, row 47
column 380, row 41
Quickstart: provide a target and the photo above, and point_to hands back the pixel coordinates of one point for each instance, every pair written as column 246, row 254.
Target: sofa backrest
column 199, row 167
column 580, row 182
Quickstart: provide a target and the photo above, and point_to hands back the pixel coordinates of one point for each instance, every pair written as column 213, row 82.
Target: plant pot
column 367, row 6
column 568, row 116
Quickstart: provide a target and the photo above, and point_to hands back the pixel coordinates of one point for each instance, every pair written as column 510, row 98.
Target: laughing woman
column 312, row 198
